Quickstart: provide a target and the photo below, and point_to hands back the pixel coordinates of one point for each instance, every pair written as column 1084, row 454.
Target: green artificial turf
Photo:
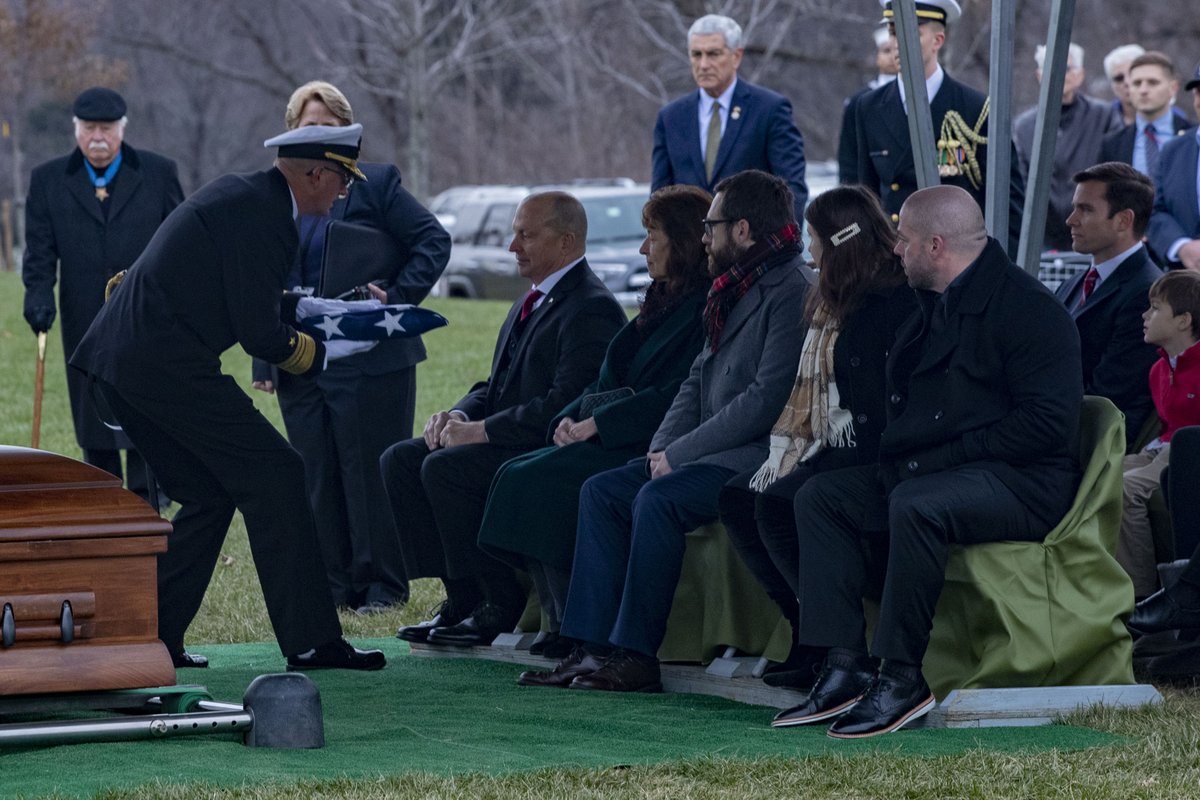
column 459, row 716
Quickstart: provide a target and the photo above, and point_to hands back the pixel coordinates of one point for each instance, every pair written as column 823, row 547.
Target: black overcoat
column 998, row 388
column 69, row 239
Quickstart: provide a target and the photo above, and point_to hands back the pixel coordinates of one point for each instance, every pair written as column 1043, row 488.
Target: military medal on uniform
column 956, row 146
column 101, row 181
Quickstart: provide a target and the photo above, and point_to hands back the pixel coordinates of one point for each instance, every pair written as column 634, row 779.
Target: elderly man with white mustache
column 88, row 216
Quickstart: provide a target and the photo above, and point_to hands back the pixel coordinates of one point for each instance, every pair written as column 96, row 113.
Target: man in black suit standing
column 213, row 276
column 89, row 215
column 983, row 405
column 550, row 348
column 343, row 419
column 727, row 125
column 1109, row 215
column 885, row 158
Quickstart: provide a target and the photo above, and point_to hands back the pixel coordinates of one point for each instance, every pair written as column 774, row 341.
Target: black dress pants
column 438, row 498
column 922, row 517
column 1179, row 482
column 762, row 528
column 214, row 452
column 341, row 422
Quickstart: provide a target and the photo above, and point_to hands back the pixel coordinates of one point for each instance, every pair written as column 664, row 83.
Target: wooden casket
column 78, row 565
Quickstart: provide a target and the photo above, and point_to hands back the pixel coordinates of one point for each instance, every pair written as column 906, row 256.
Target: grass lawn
column 1160, row 758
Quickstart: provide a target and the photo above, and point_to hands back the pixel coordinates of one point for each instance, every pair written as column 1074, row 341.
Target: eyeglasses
column 709, row 223
column 1118, row 78
column 347, row 178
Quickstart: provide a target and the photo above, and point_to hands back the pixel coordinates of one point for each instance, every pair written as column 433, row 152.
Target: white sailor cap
column 336, row 143
column 943, row 11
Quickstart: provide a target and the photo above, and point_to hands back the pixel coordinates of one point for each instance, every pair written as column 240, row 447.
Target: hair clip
column 848, row 232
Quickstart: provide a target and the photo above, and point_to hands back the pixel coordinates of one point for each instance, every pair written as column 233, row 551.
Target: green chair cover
column 1016, row 614
column 718, row 604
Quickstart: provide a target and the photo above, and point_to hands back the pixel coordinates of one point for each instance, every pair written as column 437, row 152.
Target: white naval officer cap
column 336, row 143
column 943, row 11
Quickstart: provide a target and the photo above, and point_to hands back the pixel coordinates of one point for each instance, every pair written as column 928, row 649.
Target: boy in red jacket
column 1173, row 323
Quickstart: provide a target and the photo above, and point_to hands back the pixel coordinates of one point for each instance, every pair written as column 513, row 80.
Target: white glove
column 314, row 306
column 340, row 348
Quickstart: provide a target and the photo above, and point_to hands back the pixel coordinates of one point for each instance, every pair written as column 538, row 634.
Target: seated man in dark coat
column 983, row 403
column 1111, row 210
column 549, row 349
column 632, row 519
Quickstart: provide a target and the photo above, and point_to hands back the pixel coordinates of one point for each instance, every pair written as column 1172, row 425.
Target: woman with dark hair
column 836, row 412
column 532, row 508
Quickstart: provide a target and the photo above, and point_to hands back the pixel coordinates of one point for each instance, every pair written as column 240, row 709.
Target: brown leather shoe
column 623, row 671
column 577, row 662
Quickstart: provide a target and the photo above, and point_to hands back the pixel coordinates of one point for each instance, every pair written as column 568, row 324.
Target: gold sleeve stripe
column 303, row 351
column 113, row 283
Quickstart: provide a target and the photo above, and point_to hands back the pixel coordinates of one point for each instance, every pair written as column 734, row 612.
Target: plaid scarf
column 732, row 284
column 813, row 418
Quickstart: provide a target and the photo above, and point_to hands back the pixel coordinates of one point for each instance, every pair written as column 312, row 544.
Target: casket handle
column 67, row 623
column 9, row 626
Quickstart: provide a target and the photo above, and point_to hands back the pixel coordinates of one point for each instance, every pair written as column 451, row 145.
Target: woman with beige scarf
column 835, row 414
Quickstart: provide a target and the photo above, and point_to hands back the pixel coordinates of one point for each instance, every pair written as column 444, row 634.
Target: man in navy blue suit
column 727, row 125
column 1175, row 223
column 1109, row 212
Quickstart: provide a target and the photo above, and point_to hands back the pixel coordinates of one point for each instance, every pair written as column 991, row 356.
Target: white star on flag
column 330, row 326
column 390, row 323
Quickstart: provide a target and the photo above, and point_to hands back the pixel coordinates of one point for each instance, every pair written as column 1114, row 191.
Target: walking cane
column 39, row 382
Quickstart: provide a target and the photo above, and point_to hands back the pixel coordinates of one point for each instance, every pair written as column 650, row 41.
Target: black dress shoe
column 183, row 659
column 577, row 662
column 444, row 616
column 560, row 648
column 893, row 701
column 842, row 683
column 799, row 672
column 623, row 671
column 538, row 648
column 338, row 654
column 486, row 622
column 1162, row 611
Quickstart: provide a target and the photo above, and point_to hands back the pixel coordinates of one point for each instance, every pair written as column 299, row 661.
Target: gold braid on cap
column 304, row 349
column 957, row 144
column 113, row 283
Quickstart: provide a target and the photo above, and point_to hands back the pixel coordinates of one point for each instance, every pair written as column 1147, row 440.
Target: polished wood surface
column 78, row 561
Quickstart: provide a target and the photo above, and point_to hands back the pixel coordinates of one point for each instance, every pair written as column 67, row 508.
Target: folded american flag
column 362, row 321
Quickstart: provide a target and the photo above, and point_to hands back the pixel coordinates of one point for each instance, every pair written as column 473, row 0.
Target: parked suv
column 480, row 219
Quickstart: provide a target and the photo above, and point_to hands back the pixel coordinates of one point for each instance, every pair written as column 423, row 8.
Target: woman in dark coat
column 531, row 511
column 836, row 412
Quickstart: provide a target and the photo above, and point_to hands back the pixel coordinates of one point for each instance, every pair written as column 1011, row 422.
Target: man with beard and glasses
column 632, row 520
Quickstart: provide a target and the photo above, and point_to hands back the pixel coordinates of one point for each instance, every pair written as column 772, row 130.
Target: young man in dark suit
column 89, row 215
column 727, row 125
column 885, row 158
column 212, row 277
column 983, row 405
column 1175, row 224
column 1109, row 215
column 550, row 348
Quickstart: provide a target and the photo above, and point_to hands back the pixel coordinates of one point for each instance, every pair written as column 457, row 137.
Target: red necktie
column 1151, row 149
column 1089, row 283
column 532, row 298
